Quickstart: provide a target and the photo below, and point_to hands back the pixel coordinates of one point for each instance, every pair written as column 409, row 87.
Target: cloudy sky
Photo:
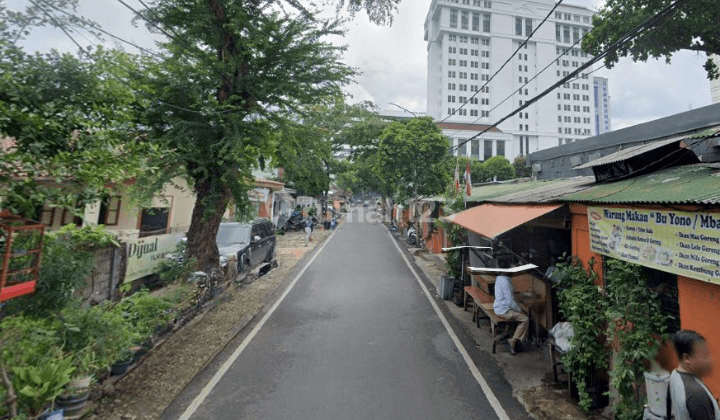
column 393, row 63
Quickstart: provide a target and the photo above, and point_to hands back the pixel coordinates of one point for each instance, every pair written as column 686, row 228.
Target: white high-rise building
column 601, row 96
column 715, row 84
column 469, row 40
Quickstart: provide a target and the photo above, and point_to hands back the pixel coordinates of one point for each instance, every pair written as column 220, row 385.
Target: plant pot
column 120, row 367
column 72, row 405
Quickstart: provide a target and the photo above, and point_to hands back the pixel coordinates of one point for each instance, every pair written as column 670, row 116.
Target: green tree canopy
column 236, row 73
column 521, row 168
column 498, row 168
column 693, row 27
column 413, row 159
column 70, row 121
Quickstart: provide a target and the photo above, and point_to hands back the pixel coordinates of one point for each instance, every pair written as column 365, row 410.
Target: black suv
column 252, row 243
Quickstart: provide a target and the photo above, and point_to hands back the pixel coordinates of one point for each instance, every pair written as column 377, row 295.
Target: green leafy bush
column 38, row 386
column 637, row 321
column 583, row 303
column 176, row 266
column 145, row 312
column 97, row 330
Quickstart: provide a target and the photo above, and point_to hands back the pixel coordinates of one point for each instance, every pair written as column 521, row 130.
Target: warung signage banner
column 677, row 242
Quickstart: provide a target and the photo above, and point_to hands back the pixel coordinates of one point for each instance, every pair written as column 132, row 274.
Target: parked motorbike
column 411, row 233
column 295, row 222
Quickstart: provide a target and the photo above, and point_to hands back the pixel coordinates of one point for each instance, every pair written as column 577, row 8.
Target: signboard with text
column 677, row 242
column 144, row 254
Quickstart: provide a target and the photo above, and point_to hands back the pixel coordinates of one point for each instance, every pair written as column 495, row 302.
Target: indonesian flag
column 468, row 182
column 457, row 176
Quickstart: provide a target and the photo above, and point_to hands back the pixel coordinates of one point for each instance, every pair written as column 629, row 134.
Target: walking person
column 506, row 307
column 688, row 397
column 308, row 230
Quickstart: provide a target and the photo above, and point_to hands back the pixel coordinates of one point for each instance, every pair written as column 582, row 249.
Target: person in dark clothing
column 690, row 399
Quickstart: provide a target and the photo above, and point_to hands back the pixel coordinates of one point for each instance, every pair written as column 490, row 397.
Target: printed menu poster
column 677, row 242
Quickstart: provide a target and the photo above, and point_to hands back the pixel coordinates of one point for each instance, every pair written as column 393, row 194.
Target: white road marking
column 224, row 368
column 473, row 368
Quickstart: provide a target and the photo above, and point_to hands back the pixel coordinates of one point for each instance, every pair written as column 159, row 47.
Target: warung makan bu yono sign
column 677, row 242
column 144, row 254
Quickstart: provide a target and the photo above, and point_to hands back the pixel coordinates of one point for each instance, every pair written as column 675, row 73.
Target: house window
column 501, row 148
column 154, row 221
column 109, row 211
column 487, row 146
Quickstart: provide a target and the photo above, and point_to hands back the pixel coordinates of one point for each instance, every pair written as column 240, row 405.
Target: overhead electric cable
column 505, row 63
column 615, row 45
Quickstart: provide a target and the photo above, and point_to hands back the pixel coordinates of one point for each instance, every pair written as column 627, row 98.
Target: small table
column 532, row 302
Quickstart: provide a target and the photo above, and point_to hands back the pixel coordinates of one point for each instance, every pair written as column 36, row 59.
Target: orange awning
column 490, row 220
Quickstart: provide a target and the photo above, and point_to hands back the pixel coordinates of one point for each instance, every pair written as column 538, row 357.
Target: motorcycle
column 295, row 222
column 411, row 233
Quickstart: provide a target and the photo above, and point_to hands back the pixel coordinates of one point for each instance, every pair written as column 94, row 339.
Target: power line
column 565, row 51
column 118, row 78
column 506, row 62
column 550, row 64
column 615, row 45
column 99, row 28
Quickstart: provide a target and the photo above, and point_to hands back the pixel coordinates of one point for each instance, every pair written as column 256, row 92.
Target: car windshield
column 233, row 234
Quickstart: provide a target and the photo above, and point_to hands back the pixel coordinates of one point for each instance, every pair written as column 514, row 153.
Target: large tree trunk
column 210, row 204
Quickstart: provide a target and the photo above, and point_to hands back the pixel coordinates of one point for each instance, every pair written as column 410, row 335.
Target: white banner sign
column 144, row 254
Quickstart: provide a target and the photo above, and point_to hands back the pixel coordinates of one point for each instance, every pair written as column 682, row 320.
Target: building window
column 576, row 34
column 518, row 26
column 452, row 50
column 487, row 146
column 566, row 34
column 453, row 18
column 486, row 23
column 528, row 27
column 485, row 113
column 500, row 148
column 475, row 148
column 464, row 19
column 476, row 22
column 109, row 211
column 154, row 221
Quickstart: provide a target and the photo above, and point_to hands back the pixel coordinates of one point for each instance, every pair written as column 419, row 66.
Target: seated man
column 507, row 308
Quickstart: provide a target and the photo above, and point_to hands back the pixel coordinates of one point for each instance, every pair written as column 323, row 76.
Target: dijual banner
column 144, row 254
column 677, row 242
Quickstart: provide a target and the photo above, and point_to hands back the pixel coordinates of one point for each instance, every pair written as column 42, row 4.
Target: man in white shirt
column 507, row 308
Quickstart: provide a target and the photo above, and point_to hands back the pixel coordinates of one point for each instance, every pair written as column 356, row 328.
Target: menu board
column 677, row 242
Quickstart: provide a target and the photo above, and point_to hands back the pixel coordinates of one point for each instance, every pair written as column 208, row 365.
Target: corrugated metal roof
column 547, row 191
column 630, row 152
column 644, row 148
column 690, row 184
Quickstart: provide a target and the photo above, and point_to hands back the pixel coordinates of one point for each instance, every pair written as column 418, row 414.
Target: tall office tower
column 715, row 84
column 601, row 96
column 469, row 40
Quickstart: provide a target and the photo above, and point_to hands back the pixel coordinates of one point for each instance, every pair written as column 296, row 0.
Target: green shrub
column 97, row 330
column 145, row 312
column 176, row 266
column 584, row 305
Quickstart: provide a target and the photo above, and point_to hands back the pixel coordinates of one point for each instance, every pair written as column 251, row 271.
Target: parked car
column 252, row 243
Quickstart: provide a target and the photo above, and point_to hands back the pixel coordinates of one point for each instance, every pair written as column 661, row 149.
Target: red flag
column 468, row 181
column 457, row 176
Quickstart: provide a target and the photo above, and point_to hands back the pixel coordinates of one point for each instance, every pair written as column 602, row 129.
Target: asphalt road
column 356, row 338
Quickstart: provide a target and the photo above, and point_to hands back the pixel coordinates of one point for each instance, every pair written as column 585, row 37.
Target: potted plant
column 38, row 386
column 75, row 395
column 122, row 363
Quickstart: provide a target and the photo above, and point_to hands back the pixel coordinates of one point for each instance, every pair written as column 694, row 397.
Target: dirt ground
column 145, row 391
